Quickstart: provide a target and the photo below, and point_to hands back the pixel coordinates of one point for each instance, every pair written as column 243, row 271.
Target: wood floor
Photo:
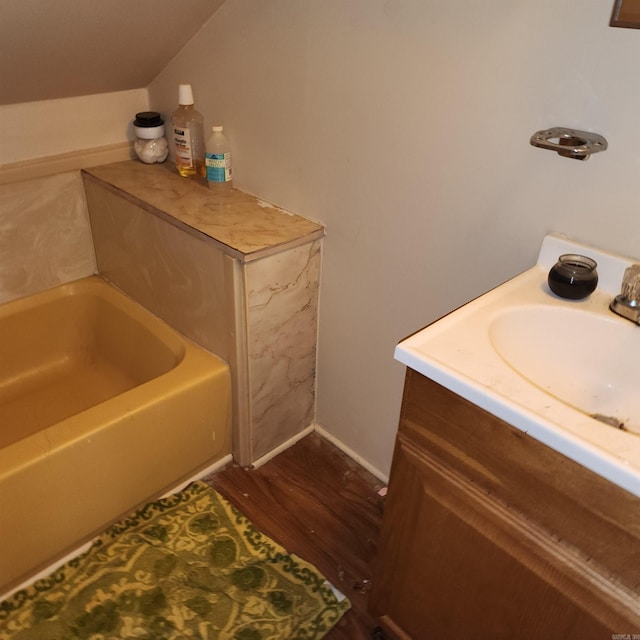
column 319, row 504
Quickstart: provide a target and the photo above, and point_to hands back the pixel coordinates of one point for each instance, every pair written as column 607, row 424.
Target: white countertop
column 457, row 352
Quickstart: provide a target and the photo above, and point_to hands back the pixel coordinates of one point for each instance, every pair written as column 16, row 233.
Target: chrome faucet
column 627, row 303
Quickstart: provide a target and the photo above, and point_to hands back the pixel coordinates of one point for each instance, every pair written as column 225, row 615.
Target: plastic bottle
column 188, row 135
column 218, row 160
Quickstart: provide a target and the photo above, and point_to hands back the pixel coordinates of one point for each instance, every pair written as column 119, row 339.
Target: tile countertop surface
column 456, row 352
column 244, row 226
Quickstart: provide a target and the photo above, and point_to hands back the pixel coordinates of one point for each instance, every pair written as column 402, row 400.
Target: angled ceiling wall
column 64, row 48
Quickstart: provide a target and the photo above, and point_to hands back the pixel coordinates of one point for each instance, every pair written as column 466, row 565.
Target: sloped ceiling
column 63, row 48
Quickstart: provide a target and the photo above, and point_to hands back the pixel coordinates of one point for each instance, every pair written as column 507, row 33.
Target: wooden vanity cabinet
column 489, row 534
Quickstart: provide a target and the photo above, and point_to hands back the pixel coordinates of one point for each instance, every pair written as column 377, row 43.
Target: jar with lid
column 573, row 276
column 150, row 144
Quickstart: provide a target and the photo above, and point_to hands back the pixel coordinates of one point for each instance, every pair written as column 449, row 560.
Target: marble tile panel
column 242, row 225
column 282, row 311
column 45, row 237
column 177, row 276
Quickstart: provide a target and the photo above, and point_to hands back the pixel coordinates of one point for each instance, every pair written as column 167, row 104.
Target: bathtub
column 102, row 407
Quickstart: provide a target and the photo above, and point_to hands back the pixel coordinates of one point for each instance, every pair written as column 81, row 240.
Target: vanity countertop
column 551, row 367
column 241, row 224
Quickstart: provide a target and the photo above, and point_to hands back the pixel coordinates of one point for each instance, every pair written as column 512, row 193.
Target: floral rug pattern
column 189, row 566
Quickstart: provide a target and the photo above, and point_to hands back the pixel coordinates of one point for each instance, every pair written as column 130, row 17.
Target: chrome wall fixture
column 569, row 143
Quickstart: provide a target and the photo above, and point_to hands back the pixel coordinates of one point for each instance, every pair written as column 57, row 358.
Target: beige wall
column 52, row 127
column 404, row 127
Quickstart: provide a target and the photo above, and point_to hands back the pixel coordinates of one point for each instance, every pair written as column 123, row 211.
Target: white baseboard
column 285, row 445
column 321, row 431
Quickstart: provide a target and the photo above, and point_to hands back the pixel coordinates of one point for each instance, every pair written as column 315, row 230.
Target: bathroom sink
column 583, row 359
column 566, row 372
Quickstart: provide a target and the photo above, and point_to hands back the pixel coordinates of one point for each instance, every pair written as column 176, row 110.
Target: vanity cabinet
column 488, row 533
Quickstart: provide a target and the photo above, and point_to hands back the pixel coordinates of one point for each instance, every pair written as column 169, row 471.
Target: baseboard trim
column 322, row 432
column 282, row 447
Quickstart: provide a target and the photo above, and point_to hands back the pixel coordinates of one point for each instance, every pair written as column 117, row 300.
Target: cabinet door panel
column 585, row 510
column 455, row 563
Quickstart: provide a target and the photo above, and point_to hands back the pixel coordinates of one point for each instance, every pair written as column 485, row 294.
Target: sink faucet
column 627, row 303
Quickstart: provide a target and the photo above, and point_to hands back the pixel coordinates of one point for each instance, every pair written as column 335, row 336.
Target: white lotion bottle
column 218, row 160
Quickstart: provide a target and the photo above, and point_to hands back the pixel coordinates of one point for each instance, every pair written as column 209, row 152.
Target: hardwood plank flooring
column 319, row 504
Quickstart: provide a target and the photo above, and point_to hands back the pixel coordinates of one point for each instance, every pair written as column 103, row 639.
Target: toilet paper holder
column 569, row 143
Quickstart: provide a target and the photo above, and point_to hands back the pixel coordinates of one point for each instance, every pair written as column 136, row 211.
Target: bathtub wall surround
column 236, row 275
column 45, row 236
column 282, row 320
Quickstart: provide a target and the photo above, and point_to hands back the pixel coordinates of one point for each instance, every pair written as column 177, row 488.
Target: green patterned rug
column 186, row 566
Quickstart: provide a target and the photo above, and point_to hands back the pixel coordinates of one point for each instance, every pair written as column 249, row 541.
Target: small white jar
column 150, row 144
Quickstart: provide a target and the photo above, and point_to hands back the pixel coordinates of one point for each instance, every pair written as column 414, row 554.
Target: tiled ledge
column 241, row 225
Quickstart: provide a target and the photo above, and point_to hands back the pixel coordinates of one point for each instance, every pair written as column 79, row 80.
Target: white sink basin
column 588, row 361
column 567, row 372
